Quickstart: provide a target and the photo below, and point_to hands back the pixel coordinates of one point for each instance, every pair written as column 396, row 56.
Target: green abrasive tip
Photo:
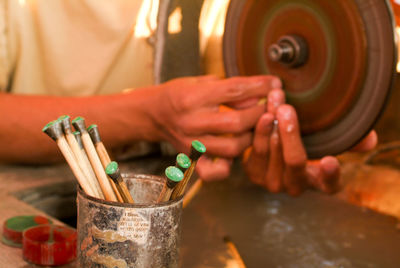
column 198, row 146
column 78, row 119
column 174, row 174
column 76, row 133
column 91, row 126
column 183, row 161
column 47, row 126
column 112, row 168
column 64, row 117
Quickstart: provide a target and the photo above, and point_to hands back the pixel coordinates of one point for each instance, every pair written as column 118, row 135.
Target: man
column 75, row 57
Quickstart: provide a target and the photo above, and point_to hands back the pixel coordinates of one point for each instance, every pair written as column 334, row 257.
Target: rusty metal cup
column 143, row 234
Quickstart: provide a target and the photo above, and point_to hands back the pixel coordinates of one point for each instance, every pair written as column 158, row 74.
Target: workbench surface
column 313, row 230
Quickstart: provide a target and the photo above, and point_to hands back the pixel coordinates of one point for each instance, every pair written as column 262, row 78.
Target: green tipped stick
column 54, row 131
column 80, row 156
column 79, row 124
column 114, row 173
column 173, row 176
column 95, row 183
column 197, row 150
column 103, row 155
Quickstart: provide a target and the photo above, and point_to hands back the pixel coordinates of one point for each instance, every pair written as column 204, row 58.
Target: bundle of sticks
column 88, row 159
column 100, row 177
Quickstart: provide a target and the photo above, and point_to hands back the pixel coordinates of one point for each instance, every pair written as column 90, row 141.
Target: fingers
column 225, row 146
column 233, row 121
column 273, row 179
column 243, row 104
column 324, row 175
column 213, row 168
column 294, row 154
column 205, row 78
column 255, row 165
column 275, row 99
column 367, row 144
column 231, row 90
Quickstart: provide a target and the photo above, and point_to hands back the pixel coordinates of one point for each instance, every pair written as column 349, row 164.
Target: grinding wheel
column 337, row 61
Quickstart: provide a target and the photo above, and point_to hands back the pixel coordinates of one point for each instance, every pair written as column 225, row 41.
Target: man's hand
column 188, row 109
column 277, row 159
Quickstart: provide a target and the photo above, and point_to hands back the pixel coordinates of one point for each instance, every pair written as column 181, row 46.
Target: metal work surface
column 313, row 230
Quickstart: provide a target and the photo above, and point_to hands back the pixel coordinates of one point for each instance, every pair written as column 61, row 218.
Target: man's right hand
column 188, row 109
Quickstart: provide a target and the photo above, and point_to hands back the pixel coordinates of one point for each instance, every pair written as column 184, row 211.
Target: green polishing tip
column 47, row 126
column 91, row 126
column 78, row 119
column 112, row 168
column 64, row 117
column 174, row 174
column 183, row 161
column 198, row 146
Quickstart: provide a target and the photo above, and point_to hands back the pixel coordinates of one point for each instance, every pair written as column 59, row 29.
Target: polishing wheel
column 337, row 61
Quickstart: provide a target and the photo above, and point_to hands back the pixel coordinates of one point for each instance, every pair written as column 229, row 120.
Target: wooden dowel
column 234, row 252
column 78, row 139
column 79, row 124
column 197, row 150
column 54, row 130
column 114, row 173
column 73, row 144
column 104, row 157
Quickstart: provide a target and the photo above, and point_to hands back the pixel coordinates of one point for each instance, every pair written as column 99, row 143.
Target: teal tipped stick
column 114, row 173
column 105, row 159
column 95, row 183
column 80, row 156
column 196, row 151
column 79, row 124
column 173, row 176
column 54, row 131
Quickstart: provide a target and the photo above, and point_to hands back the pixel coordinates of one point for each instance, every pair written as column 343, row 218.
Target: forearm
column 122, row 119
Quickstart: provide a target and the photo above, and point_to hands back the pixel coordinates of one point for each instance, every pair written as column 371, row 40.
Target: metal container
column 143, row 234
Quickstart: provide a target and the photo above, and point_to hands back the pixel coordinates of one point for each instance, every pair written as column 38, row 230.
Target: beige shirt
column 75, row 47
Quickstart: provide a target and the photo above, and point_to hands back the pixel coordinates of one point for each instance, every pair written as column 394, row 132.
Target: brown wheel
column 337, row 61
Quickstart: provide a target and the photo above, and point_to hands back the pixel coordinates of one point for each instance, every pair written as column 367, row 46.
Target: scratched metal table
column 313, row 230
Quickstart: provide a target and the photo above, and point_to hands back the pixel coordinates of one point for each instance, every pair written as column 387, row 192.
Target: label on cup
column 134, row 226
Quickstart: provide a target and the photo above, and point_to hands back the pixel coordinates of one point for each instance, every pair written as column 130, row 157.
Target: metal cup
column 143, row 234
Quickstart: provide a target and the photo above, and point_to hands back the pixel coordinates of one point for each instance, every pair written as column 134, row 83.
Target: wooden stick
column 235, row 252
column 173, row 176
column 79, row 124
column 66, row 126
column 104, row 157
column 114, row 173
column 197, row 150
column 54, row 131
column 78, row 139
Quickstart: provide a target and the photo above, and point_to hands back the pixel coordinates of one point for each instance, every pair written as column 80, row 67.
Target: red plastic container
column 50, row 245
